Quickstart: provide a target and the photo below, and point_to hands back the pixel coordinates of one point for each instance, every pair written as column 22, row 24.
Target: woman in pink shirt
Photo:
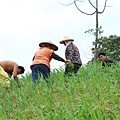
column 41, row 60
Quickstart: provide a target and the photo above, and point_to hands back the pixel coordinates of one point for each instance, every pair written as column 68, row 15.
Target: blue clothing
column 39, row 69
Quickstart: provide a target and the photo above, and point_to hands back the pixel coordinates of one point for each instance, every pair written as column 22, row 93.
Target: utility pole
column 96, row 39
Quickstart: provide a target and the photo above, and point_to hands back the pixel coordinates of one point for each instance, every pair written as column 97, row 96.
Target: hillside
column 93, row 94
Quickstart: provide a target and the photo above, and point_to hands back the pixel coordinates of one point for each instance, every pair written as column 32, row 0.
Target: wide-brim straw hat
column 66, row 38
column 53, row 46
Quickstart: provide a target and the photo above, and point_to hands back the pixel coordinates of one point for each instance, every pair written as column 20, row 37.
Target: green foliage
column 92, row 94
column 111, row 46
column 98, row 31
column 112, row 43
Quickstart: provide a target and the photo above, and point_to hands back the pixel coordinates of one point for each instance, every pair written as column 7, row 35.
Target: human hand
column 18, row 84
column 67, row 61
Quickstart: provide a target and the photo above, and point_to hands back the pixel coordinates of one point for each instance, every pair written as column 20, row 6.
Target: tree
column 96, row 11
column 111, row 46
column 99, row 33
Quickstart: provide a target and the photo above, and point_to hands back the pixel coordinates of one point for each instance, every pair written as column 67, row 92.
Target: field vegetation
column 92, row 94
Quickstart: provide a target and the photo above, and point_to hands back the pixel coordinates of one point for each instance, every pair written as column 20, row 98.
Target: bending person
column 8, row 69
column 42, row 58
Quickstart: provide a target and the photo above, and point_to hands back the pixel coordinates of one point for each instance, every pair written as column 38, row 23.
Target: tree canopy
column 110, row 45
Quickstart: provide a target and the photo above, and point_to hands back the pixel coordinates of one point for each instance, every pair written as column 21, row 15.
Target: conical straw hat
column 66, row 38
column 53, row 46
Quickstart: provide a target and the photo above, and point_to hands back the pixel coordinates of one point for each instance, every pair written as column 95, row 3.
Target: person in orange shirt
column 41, row 60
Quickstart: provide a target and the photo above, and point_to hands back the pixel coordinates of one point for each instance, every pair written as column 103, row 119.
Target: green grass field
column 93, row 94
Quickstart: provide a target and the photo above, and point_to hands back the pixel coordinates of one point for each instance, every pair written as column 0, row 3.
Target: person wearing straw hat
column 41, row 60
column 71, row 53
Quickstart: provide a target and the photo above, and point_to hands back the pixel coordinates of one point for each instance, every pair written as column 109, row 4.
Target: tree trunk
column 96, row 39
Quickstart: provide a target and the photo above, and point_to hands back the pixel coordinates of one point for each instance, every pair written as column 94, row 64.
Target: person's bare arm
column 15, row 72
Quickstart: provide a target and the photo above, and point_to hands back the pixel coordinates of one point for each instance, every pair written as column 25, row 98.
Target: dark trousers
column 39, row 69
column 72, row 68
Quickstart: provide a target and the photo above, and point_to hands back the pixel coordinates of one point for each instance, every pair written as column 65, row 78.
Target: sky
column 26, row 23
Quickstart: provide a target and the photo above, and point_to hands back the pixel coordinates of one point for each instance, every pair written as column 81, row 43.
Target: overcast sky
column 26, row 23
